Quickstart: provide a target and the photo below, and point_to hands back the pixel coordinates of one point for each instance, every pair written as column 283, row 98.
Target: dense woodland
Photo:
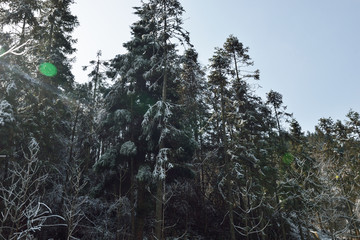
column 156, row 146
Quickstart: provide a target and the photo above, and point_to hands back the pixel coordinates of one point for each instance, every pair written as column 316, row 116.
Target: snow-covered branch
column 16, row 49
column 24, row 213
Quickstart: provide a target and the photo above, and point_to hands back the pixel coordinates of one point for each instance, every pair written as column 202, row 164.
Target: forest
column 157, row 146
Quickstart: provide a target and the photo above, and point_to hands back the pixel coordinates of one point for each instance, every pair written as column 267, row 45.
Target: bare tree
column 22, row 212
column 73, row 201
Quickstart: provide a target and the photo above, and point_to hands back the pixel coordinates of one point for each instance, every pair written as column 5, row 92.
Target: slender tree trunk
column 281, row 219
column 159, row 210
column 73, row 133
column 96, row 79
column 231, row 221
column 202, row 182
column 277, row 120
column 119, row 209
column 247, row 206
column 159, row 220
column 52, row 26
column 227, row 164
column 132, row 198
column 69, row 162
column 140, row 211
column 51, row 37
column 236, row 68
column 132, row 179
column 23, row 30
column 159, row 215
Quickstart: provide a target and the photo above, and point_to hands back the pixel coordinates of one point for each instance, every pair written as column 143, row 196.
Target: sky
column 309, row 51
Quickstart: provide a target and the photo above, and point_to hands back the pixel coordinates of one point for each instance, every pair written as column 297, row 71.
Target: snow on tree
column 6, row 113
column 241, row 122
column 128, row 149
column 118, row 162
column 23, row 212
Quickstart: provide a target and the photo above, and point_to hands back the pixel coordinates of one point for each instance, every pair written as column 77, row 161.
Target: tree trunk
column 159, row 214
column 159, row 210
column 281, row 219
column 22, row 39
column 96, row 79
column 73, row 133
column 51, row 37
column 231, row 220
column 236, row 68
column 119, row 209
column 132, row 199
column 246, row 205
column 227, row 164
column 142, row 204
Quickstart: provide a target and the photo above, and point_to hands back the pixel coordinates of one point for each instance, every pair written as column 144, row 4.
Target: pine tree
column 41, row 110
column 220, row 63
column 145, row 75
column 22, row 17
column 98, row 76
column 242, row 122
column 167, row 16
column 126, row 103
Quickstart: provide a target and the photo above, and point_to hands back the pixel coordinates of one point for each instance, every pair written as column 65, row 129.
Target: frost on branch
column 143, row 173
column 36, row 214
column 11, row 87
column 157, row 119
column 16, row 49
column 123, row 115
column 162, row 164
column 107, row 160
column 128, row 149
column 6, row 113
column 23, row 213
column 73, row 201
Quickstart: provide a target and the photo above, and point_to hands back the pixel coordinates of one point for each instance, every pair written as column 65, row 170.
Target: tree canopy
column 156, row 145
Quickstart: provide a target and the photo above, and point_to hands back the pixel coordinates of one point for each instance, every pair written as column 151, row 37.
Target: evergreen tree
column 163, row 152
column 167, row 16
column 242, row 122
column 145, row 75
column 40, row 109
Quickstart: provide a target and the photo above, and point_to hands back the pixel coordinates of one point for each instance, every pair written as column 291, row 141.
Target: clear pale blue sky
column 307, row 50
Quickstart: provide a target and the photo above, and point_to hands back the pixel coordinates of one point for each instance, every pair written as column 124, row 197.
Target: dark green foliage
column 204, row 156
column 179, row 173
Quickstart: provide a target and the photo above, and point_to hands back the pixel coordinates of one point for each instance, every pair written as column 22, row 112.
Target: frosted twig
column 14, row 49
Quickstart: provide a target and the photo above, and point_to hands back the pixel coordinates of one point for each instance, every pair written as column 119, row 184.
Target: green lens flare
column 288, row 158
column 48, row 69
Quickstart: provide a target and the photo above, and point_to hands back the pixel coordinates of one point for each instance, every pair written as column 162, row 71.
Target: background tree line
column 169, row 150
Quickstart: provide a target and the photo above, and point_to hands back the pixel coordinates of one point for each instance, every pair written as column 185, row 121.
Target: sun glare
column 48, row 69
